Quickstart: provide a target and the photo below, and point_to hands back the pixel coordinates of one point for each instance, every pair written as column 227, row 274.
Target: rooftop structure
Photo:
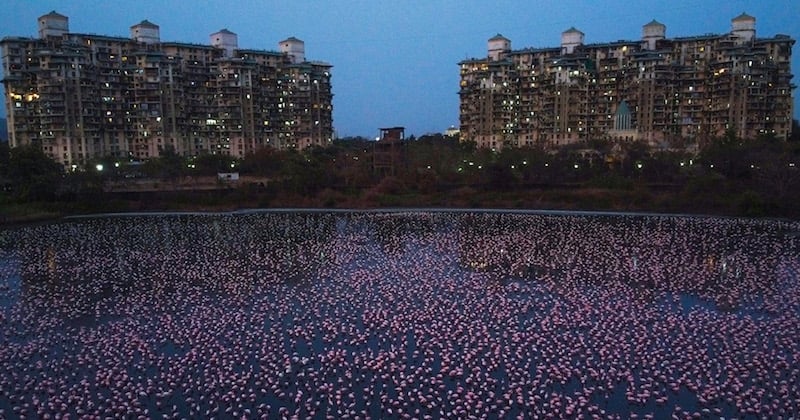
column 389, row 151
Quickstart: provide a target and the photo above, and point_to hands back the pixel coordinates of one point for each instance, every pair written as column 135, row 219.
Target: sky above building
column 396, row 62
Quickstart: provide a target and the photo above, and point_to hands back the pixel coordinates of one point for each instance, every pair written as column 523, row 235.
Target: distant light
column 116, row 164
column 575, row 166
column 639, row 165
column 233, row 165
column 99, row 167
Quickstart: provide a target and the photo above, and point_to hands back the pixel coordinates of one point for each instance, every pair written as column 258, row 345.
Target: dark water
column 410, row 313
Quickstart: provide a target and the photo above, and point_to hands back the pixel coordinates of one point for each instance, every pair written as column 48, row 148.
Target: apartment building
column 84, row 96
column 674, row 92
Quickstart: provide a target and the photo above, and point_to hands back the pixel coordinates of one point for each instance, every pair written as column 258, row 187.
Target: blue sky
column 395, row 62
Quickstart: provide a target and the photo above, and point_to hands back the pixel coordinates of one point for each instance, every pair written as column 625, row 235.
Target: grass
column 608, row 195
column 14, row 213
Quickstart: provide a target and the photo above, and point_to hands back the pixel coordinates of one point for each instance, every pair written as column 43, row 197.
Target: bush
column 612, row 182
column 390, row 185
column 751, row 204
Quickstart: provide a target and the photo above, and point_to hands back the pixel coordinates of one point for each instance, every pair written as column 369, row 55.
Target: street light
column 99, row 167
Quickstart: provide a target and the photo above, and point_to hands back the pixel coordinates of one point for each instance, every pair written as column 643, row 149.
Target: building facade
column 81, row 96
column 666, row 92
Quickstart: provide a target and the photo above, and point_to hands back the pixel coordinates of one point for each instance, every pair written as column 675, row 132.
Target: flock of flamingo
column 400, row 315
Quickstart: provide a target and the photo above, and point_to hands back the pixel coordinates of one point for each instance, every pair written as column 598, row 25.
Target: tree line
column 762, row 173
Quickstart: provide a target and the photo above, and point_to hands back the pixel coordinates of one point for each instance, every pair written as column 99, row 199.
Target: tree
column 5, row 155
column 33, row 175
column 4, row 159
column 211, row 164
column 265, row 161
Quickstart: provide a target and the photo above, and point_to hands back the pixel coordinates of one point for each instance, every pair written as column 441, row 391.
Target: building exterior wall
column 679, row 90
column 81, row 97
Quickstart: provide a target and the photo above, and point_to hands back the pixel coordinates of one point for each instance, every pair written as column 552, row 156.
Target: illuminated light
column 116, row 164
column 99, row 167
column 575, row 166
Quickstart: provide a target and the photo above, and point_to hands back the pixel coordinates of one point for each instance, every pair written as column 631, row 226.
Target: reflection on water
column 439, row 314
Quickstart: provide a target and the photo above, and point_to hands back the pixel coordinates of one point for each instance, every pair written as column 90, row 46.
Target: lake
column 400, row 314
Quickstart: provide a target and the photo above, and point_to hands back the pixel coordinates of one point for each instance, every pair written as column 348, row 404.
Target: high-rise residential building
column 81, row 96
column 669, row 92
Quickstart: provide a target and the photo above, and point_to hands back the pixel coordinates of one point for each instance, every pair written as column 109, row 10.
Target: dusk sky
column 395, row 62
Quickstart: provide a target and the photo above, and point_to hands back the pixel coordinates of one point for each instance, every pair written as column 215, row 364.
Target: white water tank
column 226, row 40
column 146, row 31
column 570, row 39
column 743, row 27
column 498, row 46
column 294, row 48
column 653, row 32
column 53, row 24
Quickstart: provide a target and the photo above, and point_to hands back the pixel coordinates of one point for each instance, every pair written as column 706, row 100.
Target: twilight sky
column 395, row 62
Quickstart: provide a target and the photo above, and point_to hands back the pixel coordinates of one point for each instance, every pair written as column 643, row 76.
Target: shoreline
column 590, row 201
column 24, row 222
